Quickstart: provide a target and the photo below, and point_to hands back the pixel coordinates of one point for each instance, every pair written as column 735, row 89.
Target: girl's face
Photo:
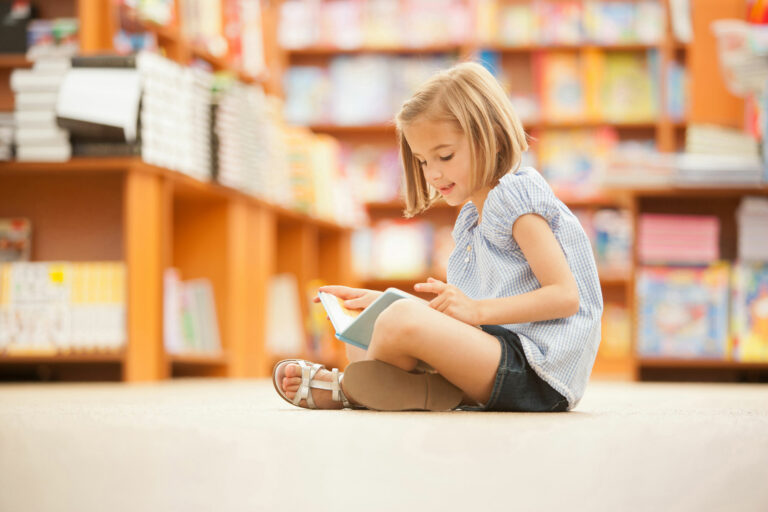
column 443, row 151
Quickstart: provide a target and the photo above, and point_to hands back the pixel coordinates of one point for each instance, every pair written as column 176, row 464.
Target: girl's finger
column 429, row 287
column 342, row 292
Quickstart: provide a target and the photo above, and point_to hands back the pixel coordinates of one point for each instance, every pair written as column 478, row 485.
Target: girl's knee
column 398, row 321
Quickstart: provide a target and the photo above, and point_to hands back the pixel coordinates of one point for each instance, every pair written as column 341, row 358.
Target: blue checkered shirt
column 487, row 263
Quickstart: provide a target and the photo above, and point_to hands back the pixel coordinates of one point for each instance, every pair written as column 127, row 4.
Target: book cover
column 15, row 239
column 356, row 327
column 749, row 311
column 683, row 312
column 563, row 91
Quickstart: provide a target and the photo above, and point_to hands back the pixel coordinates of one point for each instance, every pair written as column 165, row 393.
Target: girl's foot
column 322, row 397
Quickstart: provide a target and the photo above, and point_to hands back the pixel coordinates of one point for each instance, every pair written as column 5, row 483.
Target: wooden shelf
column 46, row 357
column 389, row 129
column 198, row 359
column 185, row 185
column 628, row 47
column 13, row 60
column 330, row 51
column 667, row 362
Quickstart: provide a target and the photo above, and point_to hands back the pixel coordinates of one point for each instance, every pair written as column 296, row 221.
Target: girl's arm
column 558, row 296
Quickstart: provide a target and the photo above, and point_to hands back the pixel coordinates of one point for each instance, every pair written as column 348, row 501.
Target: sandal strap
column 307, row 375
column 334, row 386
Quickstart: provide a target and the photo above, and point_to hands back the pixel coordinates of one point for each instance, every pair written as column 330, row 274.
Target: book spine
column 104, row 61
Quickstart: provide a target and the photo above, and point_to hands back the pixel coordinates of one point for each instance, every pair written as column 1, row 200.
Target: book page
column 340, row 315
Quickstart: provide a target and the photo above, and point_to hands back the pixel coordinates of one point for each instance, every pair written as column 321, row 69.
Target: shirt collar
column 467, row 218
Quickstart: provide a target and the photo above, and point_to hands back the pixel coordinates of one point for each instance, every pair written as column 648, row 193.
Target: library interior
column 158, row 262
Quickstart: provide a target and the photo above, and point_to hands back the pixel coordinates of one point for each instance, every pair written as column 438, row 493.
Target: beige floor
column 233, row 445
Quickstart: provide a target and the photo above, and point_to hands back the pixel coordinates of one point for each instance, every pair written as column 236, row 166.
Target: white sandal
column 308, row 372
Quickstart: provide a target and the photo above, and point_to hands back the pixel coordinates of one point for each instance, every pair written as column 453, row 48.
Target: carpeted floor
column 234, row 445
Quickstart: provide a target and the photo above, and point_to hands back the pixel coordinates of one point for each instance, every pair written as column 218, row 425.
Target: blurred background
column 177, row 177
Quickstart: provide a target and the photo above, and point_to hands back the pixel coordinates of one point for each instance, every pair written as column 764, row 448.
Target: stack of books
column 678, row 239
column 719, row 156
column 175, row 116
column 52, row 307
column 38, row 137
column 7, row 129
column 190, row 324
column 752, row 225
column 251, row 150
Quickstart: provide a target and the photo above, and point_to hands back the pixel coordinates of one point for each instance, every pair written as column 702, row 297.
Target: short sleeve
column 517, row 194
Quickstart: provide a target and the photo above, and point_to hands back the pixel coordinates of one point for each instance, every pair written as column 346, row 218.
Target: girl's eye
column 446, row 158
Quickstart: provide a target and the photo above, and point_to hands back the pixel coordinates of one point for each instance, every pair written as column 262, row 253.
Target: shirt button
column 469, row 248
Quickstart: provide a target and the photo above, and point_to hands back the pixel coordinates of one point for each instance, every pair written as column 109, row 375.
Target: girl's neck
column 478, row 199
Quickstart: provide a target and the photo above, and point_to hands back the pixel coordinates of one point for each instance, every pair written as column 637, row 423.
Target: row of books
column 570, row 22
column 718, row 157
column 599, row 86
column 355, row 90
column 593, row 86
column 350, row 24
column 226, row 28
column 416, row 23
column 56, row 307
column 287, row 333
column 718, row 311
column 414, row 248
column 695, row 239
column 190, row 325
column 610, row 232
column 186, row 119
column 401, row 249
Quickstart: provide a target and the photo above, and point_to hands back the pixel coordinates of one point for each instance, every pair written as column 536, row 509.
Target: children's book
column 356, row 327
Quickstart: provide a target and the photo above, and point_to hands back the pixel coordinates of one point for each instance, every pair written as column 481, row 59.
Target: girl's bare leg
column 407, row 332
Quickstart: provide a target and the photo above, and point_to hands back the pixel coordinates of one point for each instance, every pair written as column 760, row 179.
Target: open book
column 354, row 326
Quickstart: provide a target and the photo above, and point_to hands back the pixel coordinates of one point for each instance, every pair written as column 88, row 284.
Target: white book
column 43, row 153
column 41, row 118
column 103, row 96
column 35, row 100
column 53, row 136
column 30, row 80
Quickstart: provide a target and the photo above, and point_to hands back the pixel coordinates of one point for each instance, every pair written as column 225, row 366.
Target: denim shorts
column 518, row 387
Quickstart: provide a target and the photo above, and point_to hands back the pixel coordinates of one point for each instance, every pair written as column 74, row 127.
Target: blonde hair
column 471, row 98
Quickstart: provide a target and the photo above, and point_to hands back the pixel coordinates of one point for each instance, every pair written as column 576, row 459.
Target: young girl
column 522, row 270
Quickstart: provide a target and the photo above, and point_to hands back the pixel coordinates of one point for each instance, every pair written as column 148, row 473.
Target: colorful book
column 749, row 311
column 683, row 312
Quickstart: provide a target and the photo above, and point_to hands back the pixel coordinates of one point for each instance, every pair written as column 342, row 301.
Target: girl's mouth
column 446, row 190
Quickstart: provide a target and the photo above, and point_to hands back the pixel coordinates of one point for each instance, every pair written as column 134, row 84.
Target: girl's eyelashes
column 443, row 158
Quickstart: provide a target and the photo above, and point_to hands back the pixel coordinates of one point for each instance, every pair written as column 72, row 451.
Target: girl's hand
column 451, row 301
column 354, row 298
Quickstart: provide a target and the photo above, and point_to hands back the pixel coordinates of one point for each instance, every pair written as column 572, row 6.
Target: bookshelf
column 151, row 218
column 708, row 101
column 123, row 209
